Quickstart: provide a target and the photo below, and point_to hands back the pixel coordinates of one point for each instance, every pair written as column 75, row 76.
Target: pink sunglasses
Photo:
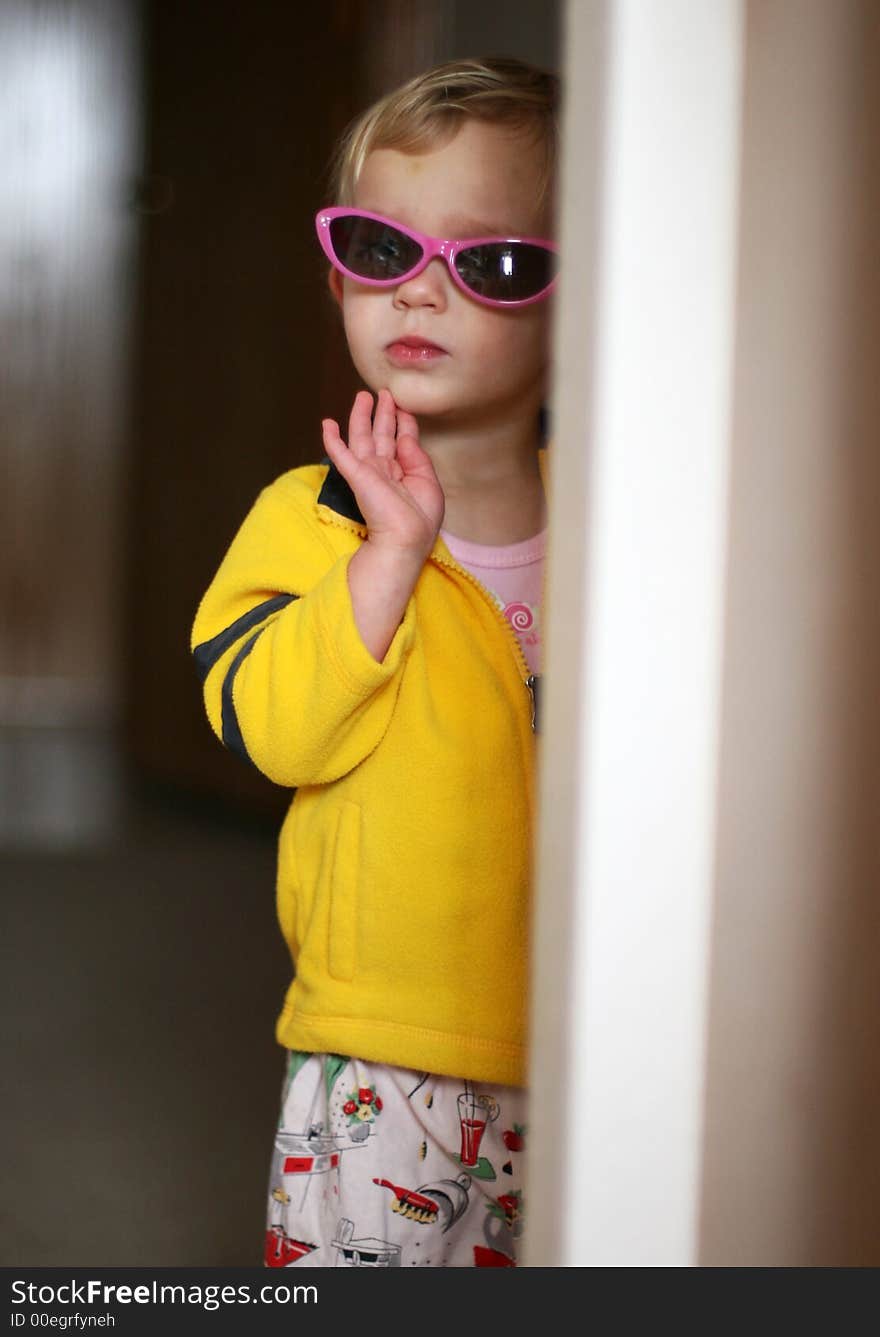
column 497, row 271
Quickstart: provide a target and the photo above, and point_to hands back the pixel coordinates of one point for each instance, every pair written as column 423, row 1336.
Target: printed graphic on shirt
column 296, row 1159
column 297, row 1059
column 366, row 1252
column 343, row 1189
column 509, row 1209
column 333, row 1065
column 419, row 1084
column 525, row 620
column 488, row 1257
column 442, row 1202
column 515, row 1138
column 310, row 1152
column 361, row 1109
column 475, row 1113
column 504, row 1223
column 283, row 1251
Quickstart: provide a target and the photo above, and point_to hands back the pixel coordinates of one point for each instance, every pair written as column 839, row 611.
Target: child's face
column 482, row 183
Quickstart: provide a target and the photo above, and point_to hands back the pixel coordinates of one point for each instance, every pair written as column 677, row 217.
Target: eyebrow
column 460, row 227
column 466, row 227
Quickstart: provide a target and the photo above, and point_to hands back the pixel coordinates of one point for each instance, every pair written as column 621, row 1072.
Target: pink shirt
column 514, row 575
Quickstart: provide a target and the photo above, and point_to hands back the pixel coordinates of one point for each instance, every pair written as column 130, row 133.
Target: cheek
column 537, row 338
column 519, row 341
column 539, row 323
column 362, row 318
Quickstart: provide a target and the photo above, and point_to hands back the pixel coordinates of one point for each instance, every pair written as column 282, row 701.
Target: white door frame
column 644, row 341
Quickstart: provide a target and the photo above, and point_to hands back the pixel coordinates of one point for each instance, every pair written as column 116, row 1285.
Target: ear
column 335, row 284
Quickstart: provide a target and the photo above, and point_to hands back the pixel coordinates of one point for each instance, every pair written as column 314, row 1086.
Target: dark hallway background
column 169, row 348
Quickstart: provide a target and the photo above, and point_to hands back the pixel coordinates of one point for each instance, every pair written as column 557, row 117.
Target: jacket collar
column 337, row 496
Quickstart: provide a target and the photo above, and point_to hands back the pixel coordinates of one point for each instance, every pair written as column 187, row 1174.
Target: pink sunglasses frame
column 446, row 247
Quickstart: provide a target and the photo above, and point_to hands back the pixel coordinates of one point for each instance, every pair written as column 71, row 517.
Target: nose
column 430, row 288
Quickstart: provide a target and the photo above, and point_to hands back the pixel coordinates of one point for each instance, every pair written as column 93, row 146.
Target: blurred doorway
column 67, row 256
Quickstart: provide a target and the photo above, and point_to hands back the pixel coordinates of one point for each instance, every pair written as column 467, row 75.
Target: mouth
column 411, row 348
column 415, row 341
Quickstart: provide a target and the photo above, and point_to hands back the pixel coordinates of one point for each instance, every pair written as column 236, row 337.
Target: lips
column 413, row 341
column 411, row 351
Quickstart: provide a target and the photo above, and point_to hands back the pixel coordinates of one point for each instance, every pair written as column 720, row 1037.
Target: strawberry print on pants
column 377, row 1166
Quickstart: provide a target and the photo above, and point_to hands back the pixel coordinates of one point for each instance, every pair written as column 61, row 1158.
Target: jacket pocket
column 288, row 902
column 345, row 878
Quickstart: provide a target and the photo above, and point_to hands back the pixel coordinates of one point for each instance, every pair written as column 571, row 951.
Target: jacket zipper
column 530, row 680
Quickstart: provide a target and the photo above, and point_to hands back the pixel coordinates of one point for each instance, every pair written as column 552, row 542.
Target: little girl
column 372, row 641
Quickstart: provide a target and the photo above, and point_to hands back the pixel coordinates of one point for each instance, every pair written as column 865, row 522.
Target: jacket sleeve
column 288, row 682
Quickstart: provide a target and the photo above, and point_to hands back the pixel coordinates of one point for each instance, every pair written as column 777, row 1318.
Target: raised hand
column 390, row 475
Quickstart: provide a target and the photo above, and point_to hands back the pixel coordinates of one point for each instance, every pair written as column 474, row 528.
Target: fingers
column 360, row 426
column 407, row 424
column 413, row 458
column 374, row 434
column 346, row 461
column 339, row 453
column 385, row 424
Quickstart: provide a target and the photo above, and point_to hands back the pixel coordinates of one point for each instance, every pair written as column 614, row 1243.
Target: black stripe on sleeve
column 207, row 654
column 231, row 731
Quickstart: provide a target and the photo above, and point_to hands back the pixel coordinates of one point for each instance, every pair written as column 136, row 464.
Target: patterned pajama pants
column 378, row 1166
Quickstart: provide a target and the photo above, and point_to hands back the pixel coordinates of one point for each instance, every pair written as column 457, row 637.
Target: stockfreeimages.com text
column 153, row 1293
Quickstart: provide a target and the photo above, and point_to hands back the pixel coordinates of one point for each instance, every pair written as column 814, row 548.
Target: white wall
column 791, row 1154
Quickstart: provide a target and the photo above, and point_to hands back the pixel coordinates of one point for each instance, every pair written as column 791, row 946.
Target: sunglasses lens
column 372, row 250
column 507, row 271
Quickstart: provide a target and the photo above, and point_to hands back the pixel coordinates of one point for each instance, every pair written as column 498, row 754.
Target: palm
column 397, row 503
column 392, row 478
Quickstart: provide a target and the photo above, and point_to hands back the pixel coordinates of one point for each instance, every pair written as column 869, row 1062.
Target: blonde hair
column 428, row 110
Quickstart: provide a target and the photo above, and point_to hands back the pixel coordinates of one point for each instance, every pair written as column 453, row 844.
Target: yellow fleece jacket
column 405, row 857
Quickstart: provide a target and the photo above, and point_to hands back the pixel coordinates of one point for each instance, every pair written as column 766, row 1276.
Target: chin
column 424, row 401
